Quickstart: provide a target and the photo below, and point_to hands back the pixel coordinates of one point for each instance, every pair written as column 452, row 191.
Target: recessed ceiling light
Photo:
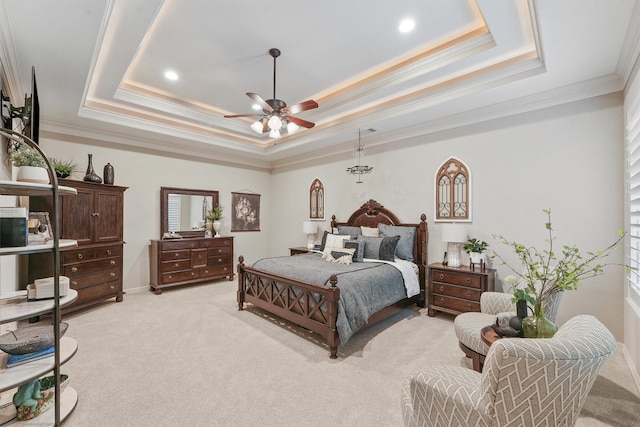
column 171, row 75
column 406, row 25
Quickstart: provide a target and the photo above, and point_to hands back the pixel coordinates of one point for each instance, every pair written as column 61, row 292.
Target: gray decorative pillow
column 350, row 230
column 324, row 240
column 407, row 239
column 382, row 248
column 358, row 247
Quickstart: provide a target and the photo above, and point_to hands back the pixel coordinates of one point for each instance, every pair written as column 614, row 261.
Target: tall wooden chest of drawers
column 457, row 290
column 94, row 218
column 185, row 261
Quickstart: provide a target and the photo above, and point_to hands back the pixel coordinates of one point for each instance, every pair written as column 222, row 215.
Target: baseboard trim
column 632, row 367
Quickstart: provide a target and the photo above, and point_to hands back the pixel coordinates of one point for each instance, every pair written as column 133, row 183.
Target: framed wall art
column 245, row 214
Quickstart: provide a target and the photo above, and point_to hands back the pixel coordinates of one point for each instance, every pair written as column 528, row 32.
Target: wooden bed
column 315, row 306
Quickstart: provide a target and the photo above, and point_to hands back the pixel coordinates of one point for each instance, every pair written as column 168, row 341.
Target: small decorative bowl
column 30, row 339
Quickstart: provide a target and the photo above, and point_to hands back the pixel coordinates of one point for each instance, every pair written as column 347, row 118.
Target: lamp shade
column 309, row 227
column 454, row 232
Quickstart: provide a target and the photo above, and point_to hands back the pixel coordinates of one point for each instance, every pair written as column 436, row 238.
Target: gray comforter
column 365, row 287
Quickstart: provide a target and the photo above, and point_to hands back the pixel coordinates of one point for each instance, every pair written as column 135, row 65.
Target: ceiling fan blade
column 233, row 116
column 258, row 100
column 302, row 123
column 302, row 106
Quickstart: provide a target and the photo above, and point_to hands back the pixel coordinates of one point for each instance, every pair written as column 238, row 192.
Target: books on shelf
column 44, row 288
column 19, row 359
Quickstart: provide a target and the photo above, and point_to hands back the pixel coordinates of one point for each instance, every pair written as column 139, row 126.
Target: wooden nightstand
column 299, row 250
column 457, row 290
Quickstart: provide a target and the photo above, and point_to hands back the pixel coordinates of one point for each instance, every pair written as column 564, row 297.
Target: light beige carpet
column 189, row 358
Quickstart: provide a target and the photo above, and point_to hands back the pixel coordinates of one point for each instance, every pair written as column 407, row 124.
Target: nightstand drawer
column 456, row 291
column 455, row 304
column 456, row 278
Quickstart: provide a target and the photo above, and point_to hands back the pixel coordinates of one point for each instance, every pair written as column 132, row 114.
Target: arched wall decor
column 316, row 200
column 453, row 192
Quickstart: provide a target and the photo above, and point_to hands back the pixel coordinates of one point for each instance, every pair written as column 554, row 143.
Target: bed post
column 240, row 295
column 333, row 223
column 423, row 261
column 332, row 336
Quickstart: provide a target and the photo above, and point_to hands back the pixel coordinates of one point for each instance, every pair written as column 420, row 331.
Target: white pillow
column 370, row 231
column 334, row 241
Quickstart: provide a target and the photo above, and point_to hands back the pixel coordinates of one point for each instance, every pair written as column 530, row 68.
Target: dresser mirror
column 183, row 210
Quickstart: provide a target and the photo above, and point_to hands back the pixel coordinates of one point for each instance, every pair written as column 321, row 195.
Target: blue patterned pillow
column 407, row 239
column 382, row 248
column 358, row 247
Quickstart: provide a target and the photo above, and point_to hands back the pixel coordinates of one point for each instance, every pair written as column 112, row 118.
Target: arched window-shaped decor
column 453, row 181
column 316, row 200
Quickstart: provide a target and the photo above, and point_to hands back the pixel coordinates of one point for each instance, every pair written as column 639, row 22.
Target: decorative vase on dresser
column 457, row 290
column 186, row 261
column 94, row 218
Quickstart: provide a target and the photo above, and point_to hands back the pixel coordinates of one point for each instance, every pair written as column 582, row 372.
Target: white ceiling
column 100, row 66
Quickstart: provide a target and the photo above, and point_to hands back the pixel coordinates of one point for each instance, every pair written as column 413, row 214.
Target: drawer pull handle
column 74, row 269
column 219, row 251
column 176, row 254
column 469, row 306
column 441, row 276
column 468, row 294
column 219, row 259
column 193, row 245
column 108, row 251
column 468, row 280
column 193, row 274
column 441, row 288
column 79, row 256
column 113, row 262
column 176, row 264
column 170, row 277
column 441, row 300
column 112, row 287
column 74, row 283
column 112, row 274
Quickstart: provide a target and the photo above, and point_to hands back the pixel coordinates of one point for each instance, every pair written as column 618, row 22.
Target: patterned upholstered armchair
column 525, row 381
column 492, row 305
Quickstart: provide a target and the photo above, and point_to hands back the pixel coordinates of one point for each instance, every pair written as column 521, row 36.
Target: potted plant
column 31, row 165
column 544, row 273
column 475, row 249
column 64, row 168
column 213, row 218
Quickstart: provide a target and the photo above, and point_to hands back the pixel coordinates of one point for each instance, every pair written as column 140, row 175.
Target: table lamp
column 455, row 235
column 310, row 228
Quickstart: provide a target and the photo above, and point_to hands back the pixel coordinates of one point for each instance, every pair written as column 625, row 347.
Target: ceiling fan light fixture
column 257, row 126
column 274, row 133
column 292, row 128
column 275, row 123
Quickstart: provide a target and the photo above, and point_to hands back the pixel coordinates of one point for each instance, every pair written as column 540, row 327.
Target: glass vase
column 537, row 325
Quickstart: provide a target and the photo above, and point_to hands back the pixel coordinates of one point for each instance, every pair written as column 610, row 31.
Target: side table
column 299, row 250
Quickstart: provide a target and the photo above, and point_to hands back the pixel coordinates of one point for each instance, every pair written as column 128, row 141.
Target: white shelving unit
column 15, row 307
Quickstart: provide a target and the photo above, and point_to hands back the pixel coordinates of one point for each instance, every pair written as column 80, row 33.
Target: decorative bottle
column 537, row 325
column 108, row 174
column 91, row 175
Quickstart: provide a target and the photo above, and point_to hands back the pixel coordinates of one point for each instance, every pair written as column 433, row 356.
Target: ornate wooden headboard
column 372, row 213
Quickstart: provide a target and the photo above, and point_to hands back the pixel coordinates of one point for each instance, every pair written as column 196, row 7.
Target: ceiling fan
column 277, row 119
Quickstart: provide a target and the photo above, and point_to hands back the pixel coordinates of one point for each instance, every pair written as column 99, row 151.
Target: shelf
column 68, row 402
column 32, row 249
column 16, row 188
column 18, row 375
column 18, row 308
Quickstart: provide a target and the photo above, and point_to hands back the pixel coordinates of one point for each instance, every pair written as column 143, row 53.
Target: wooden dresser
column 95, row 219
column 192, row 260
column 457, row 290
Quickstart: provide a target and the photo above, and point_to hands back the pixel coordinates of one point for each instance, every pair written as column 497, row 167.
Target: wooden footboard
column 311, row 306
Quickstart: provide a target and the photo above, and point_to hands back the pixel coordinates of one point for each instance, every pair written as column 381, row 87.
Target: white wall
column 144, row 174
column 566, row 158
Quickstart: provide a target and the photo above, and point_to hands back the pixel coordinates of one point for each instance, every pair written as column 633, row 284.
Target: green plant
column 545, row 272
column 475, row 245
column 26, row 156
column 214, row 214
column 64, row 168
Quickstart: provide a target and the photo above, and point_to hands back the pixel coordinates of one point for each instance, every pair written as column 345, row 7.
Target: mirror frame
column 164, row 207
